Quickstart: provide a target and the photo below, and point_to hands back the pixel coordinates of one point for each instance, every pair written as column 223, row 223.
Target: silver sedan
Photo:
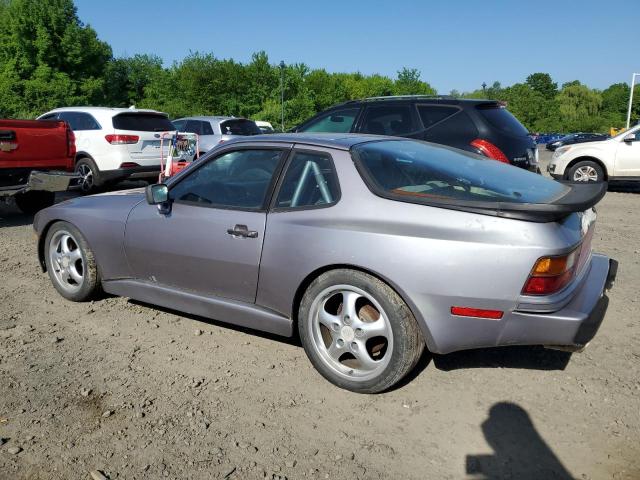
column 370, row 248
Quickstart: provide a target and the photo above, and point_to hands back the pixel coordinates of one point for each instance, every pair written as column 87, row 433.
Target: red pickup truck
column 36, row 160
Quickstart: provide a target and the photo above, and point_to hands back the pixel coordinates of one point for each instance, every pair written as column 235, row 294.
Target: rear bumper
column 574, row 325
column 52, row 181
column 144, row 172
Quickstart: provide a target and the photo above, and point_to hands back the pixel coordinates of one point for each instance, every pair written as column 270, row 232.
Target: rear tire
column 586, row 171
column 91, row 179
column 71, row 263
column 32, row 202
column 357, row 331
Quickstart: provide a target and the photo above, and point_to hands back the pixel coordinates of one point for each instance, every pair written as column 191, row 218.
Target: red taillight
column 122, row 139
column 551, row 274
column 477, row 313
column 129, row 165
column 488, row 149
column 71, row 143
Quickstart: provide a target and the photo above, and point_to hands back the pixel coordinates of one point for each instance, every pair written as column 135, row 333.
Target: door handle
column 242, row 231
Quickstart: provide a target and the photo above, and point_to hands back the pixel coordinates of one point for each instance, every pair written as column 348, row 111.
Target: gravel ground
column 136, row 392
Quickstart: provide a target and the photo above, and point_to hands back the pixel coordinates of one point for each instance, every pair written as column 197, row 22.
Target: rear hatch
column 508, row 134
column 236, row 127
column 148, row 127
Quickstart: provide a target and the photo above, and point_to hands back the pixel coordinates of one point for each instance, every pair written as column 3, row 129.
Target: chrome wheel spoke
column 349, row 304
column 75, row 255
column 336, row 349
column 362, row 356
column 73, row 273
column 64, row 244
column 367, row 330
column 328, row 320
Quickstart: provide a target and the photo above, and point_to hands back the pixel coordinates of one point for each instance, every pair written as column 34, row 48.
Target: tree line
column 49, row 58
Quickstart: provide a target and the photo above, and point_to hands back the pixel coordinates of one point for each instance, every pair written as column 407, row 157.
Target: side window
column 310, row 181
column 338, row 121
column 205, row 128
column 179, row 124
column 79, row 121
column 238, row 179
column 388, row 120
column 432, row 114
column 50, row 117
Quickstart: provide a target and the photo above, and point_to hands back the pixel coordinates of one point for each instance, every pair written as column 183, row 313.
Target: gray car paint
column 434, row 258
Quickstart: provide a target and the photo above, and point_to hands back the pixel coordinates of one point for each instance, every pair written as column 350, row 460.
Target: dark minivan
column 485, row 127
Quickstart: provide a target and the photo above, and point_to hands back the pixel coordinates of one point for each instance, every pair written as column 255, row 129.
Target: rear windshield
column 502, row 119
column 143, row 122
column 239, row 127
column 410, row 170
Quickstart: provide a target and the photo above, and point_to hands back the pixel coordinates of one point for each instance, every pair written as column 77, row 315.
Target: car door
column 208, row 238
column 628, row 155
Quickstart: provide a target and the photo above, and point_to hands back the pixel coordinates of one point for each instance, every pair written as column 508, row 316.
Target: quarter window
column 310, row 181
column 199, row 127
column 337, row 121
column 388, row 120
column 432, row 114
column 238, row 179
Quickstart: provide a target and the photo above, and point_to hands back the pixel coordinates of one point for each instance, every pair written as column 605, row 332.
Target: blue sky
column 455, row 44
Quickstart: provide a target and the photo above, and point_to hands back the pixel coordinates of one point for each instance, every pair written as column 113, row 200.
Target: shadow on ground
column 531, row 358
column 519, row 450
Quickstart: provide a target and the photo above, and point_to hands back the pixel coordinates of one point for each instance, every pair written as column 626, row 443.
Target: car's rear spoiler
column 580, row 197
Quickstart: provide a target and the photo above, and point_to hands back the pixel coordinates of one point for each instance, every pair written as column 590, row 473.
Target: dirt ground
column 137, row 392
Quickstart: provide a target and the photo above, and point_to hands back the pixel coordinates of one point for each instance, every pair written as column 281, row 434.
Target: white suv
column 615, row 159
column 114, row 143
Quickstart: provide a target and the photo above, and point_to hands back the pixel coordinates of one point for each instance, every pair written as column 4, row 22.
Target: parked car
column 371, row 247
column 265, row 127
column 215, row 130
column 576, row 138
column 36, row 160
column 615, row 159
column 114, row 144
column 485, row 127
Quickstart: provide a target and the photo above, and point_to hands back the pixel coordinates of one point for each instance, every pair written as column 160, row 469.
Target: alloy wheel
column 585, row 173
column 84, row 170
column 67, row 261
column 351, row 332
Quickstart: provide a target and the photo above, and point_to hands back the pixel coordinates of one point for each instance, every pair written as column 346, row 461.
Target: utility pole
column 484, row 87
column 633, row 81
column 282, row 65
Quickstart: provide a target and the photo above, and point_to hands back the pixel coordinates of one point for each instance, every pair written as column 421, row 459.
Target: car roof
column 339, row 141
column 444, row 99
column 210, row 118
column 112, row 110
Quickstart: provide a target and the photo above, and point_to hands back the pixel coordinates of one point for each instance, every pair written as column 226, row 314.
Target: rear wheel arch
column 304, row 285
column 586, row 159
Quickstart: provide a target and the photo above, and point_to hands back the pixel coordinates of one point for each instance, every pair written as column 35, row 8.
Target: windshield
column 415, row 170
column 239, row 127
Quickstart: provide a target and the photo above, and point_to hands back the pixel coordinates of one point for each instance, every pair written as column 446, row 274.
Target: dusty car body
column 459, row 267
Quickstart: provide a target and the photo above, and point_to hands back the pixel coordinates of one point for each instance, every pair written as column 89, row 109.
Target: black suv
column 480, row 126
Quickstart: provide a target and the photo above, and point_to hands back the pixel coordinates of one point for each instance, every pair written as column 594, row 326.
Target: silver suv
column 214, row 130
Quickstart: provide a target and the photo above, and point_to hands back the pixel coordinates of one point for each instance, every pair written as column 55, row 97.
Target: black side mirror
column 157, row 194
column 629, row 138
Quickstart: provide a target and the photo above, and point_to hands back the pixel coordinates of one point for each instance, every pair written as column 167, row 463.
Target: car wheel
column 586, row 171
column 87, row 169
column 357, row 331
column 34, row 201
column 71, row 263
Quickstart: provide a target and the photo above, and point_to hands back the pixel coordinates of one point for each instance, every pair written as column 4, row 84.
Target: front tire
column 357, row 331
column 586, row 171
column 32, row 202
column 71, row 263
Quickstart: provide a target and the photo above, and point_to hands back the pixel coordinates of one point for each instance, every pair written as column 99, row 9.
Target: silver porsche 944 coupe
column 369, row 247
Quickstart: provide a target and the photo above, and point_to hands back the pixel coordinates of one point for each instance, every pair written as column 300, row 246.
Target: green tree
column 543, row 84
column 52, row 57
column 126, row 79
column 409, row 83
